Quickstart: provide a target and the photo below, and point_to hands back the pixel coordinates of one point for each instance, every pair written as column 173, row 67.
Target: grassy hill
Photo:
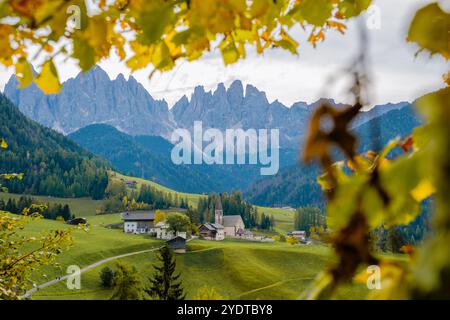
column 284, row 218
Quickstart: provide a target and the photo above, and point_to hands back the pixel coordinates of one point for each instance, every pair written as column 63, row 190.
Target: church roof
column 231, row 221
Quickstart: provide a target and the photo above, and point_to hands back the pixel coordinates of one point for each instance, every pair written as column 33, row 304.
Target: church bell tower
column 218, row 211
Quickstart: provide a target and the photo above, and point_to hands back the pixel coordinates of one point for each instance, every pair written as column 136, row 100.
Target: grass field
column 236, row 269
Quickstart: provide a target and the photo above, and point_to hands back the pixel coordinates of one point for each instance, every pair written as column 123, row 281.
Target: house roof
column 138, row 216
column 212, row 226
column 231, row 221
column 177, row 242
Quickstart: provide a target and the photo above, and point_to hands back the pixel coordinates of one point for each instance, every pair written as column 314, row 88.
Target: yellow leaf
column 423, row 190
column 24, row 73
column 230, row 54
column 3, row 144
column 48, row 80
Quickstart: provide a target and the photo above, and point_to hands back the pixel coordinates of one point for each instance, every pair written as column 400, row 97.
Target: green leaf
column 315, row 12
column 154, row 19
column 430, row 29
column 84, row 52
column 352, row 8
column 24, row 73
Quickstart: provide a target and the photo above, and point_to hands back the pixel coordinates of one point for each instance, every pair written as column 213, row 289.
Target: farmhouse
column 138, row 221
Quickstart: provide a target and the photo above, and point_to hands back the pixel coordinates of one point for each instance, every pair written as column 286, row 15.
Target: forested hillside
column 52, row 164
column 149, row 157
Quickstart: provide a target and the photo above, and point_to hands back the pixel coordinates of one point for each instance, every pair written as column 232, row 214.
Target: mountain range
column 92, row 98
column 121, row 122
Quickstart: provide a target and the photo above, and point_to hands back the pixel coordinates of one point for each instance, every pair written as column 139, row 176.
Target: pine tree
column 165, row 285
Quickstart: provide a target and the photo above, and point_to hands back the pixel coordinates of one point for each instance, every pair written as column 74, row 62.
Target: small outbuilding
column 178, row 244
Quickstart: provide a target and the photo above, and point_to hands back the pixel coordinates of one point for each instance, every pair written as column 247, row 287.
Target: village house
column 138, row 221
column 211, row 231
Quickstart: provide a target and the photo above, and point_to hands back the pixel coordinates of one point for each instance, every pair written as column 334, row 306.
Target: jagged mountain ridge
column 92, row 98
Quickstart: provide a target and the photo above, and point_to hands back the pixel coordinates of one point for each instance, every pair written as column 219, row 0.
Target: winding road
column 96, row 264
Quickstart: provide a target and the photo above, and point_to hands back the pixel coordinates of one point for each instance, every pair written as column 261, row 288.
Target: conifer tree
column 165, row 284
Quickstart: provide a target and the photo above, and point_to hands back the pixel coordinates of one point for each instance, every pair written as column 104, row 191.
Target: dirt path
column 96, row 264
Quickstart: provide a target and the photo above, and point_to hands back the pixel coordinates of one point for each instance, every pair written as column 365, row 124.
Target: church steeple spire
column 218, row 212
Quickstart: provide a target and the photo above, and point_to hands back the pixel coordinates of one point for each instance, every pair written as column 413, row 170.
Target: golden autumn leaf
column 423, row 190
column 48, row 80
column 230, row 53
column 3, row 144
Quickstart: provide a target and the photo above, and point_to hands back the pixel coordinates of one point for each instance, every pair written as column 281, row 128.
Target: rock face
column 92, row 98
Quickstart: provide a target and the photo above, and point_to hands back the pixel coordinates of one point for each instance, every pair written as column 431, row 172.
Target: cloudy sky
column 396, row 74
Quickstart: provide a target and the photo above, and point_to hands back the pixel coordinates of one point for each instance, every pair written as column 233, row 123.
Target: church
column 223, row 226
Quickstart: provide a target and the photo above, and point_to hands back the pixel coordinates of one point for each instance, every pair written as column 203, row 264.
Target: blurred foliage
column 21, row 255
column 381, row 191
column 386, row 191
column 156, row 32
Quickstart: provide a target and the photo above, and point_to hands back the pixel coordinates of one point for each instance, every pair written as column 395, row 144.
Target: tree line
column 48, row 211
